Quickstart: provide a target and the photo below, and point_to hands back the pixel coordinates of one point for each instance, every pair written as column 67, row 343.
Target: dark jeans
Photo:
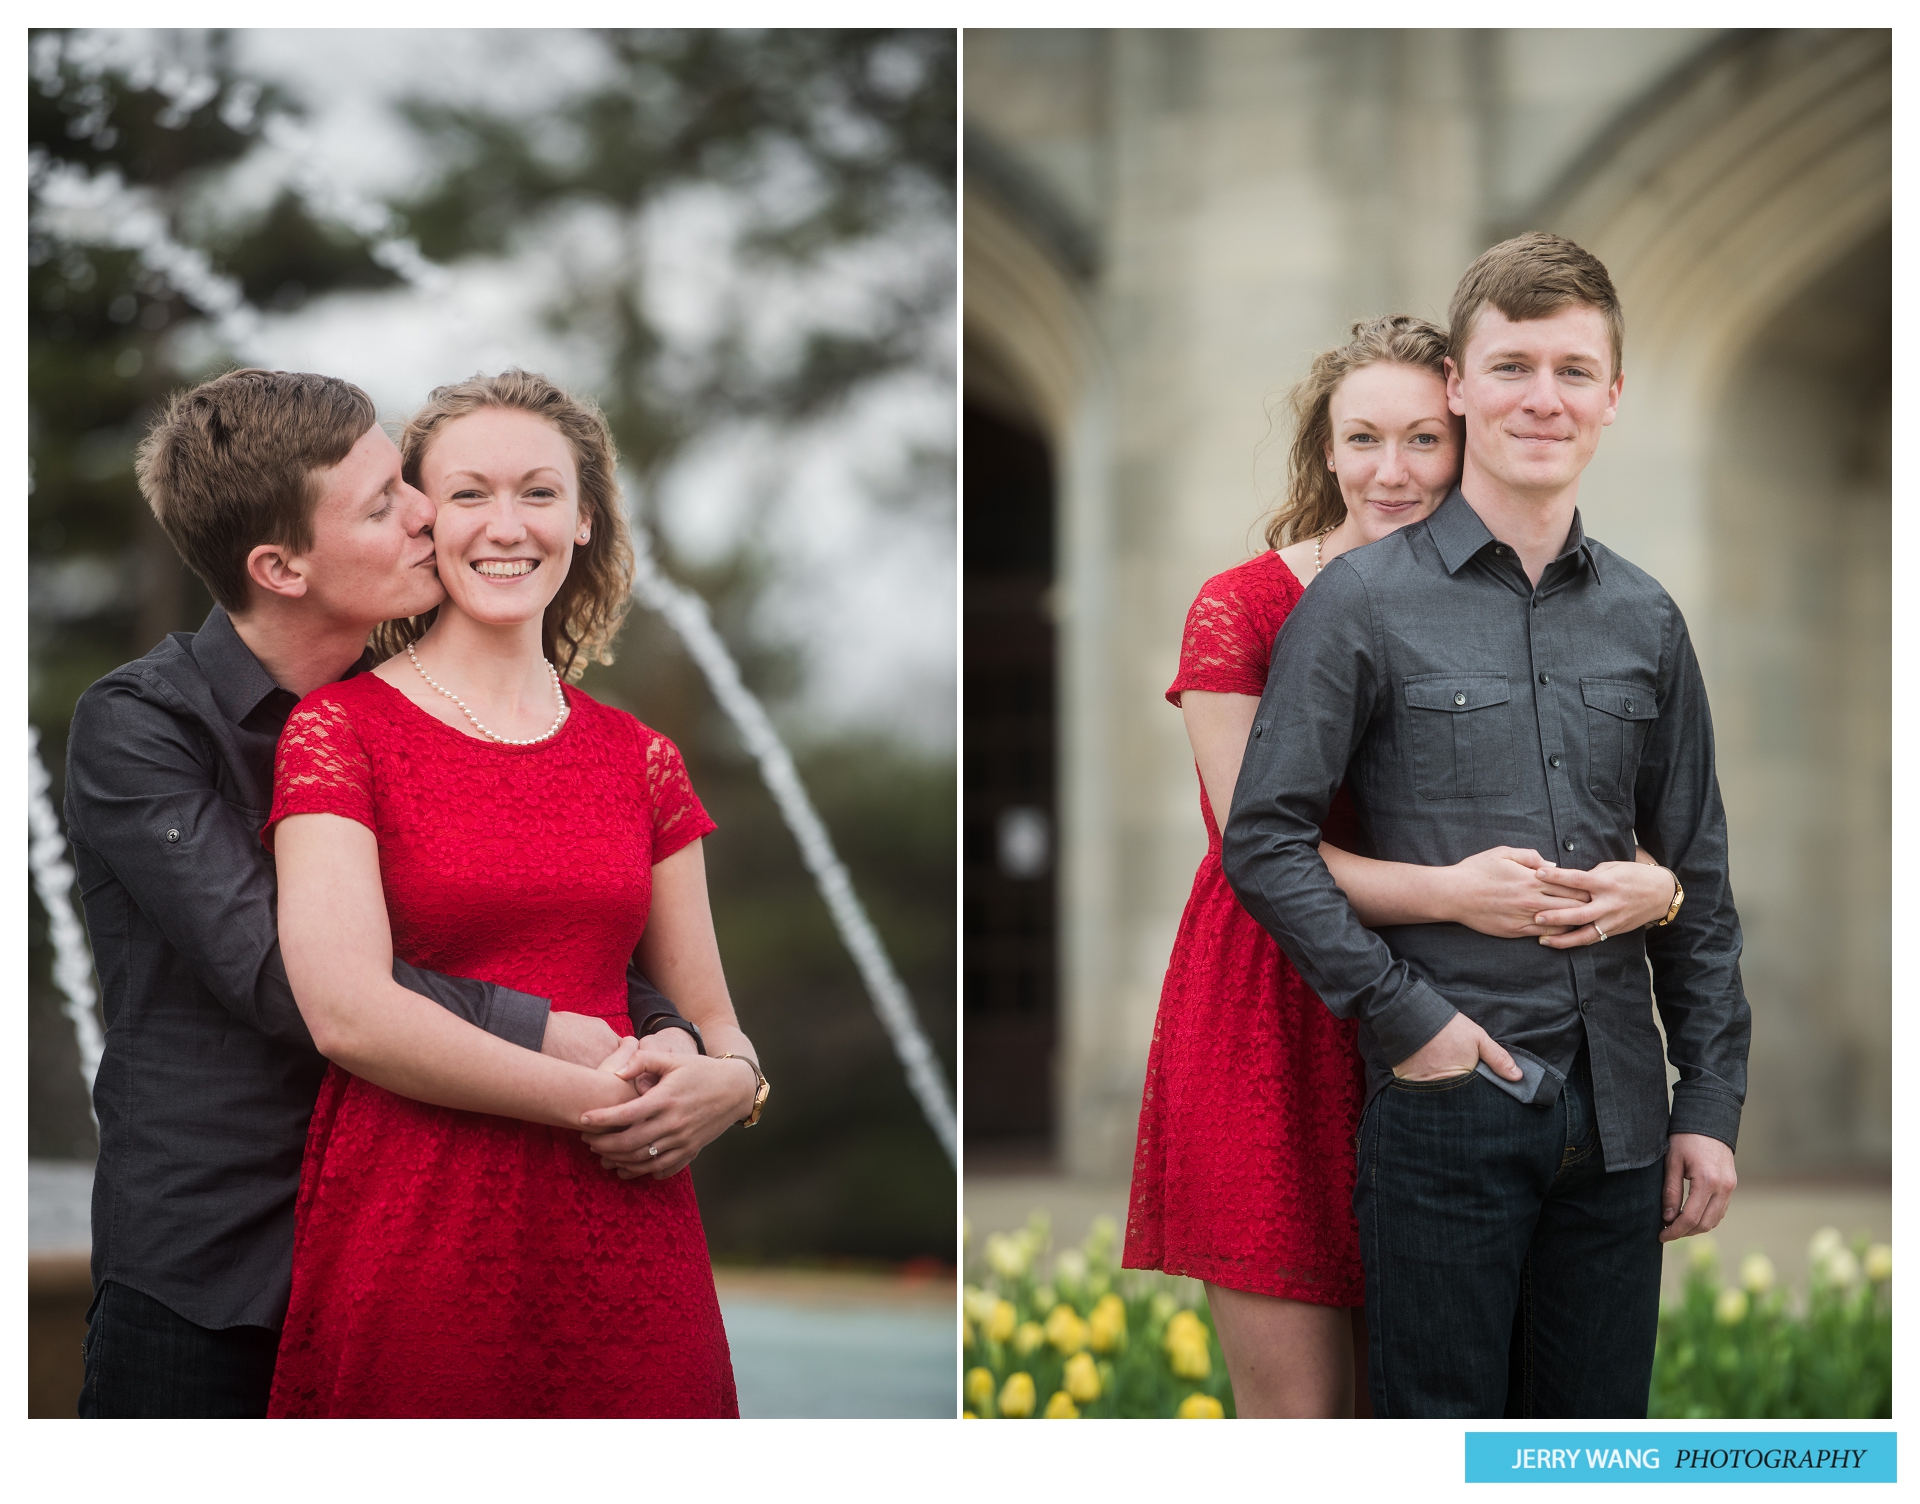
column 1508, row 1274
column 143, row 1360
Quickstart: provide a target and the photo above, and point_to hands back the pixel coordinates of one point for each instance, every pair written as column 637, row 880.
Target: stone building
column 1160, row 227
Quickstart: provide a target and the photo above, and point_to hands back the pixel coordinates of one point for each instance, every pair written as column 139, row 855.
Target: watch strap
column 761, row 1090
column 655, row 1022
column 1679, row 895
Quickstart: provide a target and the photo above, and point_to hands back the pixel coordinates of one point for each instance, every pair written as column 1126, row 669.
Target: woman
column 458, row 1249
column 1243, row 1171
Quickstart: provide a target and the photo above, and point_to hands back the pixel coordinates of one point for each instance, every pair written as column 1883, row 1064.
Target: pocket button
column 172, row 837
column 1462, row 699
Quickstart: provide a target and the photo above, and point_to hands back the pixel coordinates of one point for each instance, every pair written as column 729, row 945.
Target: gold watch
column 761, row 1091
column 1679, row 896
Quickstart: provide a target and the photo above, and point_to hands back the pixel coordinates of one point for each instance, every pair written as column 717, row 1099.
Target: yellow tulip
column 1061, row 1407
column 1016, row 1396
column 1000, row 1324
column 1731, row 1308
column 979, row 1388
column 1191, row 1359
column 1756, row 1273
column 978, row 1304
column 1879, row 1263
column 1026, row 1337
column 1183, row 1326
column 1008, row 1255
column 1201, row 1407
column 1824, row 1243
column 1704, row 1254
column 968, row 1415
column 1065, row 1330
column 1082, row 1378
column 1107, row 1324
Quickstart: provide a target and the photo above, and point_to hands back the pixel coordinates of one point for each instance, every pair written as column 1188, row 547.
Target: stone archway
column 1033, row 366
column 1744, row 216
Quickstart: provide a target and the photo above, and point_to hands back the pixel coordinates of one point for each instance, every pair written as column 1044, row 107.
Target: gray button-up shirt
column 1465, row 708
column 209, row 1073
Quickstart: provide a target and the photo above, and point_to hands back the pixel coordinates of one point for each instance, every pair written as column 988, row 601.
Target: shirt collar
column 239, row 681
column 1459, row 534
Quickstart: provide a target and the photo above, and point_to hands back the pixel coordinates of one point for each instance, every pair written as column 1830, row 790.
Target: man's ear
column 1613, row 399
column 277, row 570
column 1456, row 404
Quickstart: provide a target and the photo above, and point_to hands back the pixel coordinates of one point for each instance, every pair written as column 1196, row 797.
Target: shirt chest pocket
column 1461, row 728
column 1619, row 713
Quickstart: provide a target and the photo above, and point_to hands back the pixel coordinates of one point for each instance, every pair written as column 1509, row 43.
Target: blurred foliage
column 856, row 129
column 1076, row 1336
column 1746, row 1351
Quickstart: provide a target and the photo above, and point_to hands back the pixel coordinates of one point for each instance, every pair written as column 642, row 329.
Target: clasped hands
column 1510, row 891
column 682, row 1102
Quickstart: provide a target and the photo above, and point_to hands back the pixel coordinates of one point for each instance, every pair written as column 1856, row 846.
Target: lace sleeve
column 1222, row 650
column 679, row 819
column 321, row 767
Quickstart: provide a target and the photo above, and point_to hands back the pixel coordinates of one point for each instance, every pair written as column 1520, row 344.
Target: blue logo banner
column 1680, row 1456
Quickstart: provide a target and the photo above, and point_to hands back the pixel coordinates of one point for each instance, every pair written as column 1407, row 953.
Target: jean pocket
column 1619, row 714
column 1442, row 1083
column 1461, row 729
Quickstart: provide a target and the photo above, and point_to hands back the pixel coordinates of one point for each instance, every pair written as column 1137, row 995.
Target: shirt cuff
column 1707, row 1112
column 517, row 1017
column 1407, row 1021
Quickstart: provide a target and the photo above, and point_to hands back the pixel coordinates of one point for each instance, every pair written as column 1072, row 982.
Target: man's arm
column 1696, row 959
column 1322, row 690
column 142, row 795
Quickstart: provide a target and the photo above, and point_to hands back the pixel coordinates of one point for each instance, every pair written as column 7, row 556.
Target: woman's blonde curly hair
column 583, row 619
column 1313, row 504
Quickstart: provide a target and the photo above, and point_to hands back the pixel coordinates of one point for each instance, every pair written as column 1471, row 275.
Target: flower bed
column 1078, row 1336
column 1747, row 1351
column 1075, row 1335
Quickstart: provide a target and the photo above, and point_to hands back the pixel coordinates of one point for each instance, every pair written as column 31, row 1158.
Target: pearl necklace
column 1318, row 539
column 506, row 741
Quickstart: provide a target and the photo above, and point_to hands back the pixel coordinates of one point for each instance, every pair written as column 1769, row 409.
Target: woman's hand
column 1509, row 891
column 697, row 1099
column 1625, row 896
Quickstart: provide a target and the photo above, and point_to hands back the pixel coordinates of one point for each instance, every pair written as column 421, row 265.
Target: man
column 1492, row 676
column 282, row 493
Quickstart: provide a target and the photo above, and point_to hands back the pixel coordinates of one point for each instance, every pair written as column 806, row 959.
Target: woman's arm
column 338, row 952
column 698, row 1097
column 1504, row 891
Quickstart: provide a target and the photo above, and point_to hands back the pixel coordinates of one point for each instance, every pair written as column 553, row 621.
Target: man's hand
column 1706, row 1165
column 578, row 1038
column 665, row 1042
column 695, row 1100
column 1454, row 1051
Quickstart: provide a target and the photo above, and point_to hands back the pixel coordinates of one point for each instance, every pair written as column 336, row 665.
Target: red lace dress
column 454, row 1263
column 1243, row 1170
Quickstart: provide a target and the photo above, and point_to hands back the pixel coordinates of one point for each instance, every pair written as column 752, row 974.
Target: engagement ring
column 653, row 1149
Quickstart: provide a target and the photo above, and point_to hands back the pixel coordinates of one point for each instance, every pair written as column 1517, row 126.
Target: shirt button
column 1629, row 707
column 172, row 836
column 1462, row 699
column 1546, row 678
column 1567, row 844
column 1586, row 1005
column 1554, row 761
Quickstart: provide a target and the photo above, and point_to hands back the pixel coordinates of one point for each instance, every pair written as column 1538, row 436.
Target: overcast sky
column 866, row 588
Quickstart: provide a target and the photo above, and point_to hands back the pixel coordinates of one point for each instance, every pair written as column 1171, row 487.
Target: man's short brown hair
column 230, row 465
column 1534, row 276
